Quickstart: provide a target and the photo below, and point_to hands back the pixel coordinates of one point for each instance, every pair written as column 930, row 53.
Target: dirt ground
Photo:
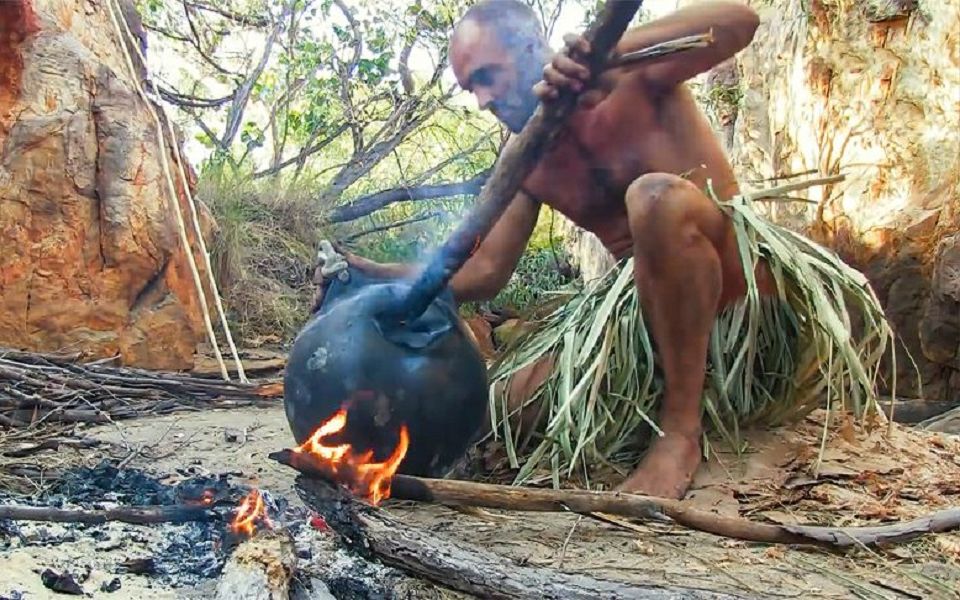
column 865, row 477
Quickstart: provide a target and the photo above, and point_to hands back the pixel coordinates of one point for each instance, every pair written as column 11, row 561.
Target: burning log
column 468, row 493
column 374, row 534
column 261, row 568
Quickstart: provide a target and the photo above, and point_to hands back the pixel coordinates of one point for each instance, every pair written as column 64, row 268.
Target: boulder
column 91, row 260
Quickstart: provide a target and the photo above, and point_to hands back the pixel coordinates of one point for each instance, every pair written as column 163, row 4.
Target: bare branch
column 251, row 20
column 361, row 165
column 280, row 106
column 552, row 21
column 206, row 129
column 189, row 101
column 389, row 226
column 345, row 72
column 447, row 162
column 242, row 95
column 368, row 204
column 197, row 42
column 308, row 150
column 406, row 78
column 167, row 33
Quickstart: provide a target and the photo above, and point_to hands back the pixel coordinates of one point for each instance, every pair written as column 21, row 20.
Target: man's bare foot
column 668, row 468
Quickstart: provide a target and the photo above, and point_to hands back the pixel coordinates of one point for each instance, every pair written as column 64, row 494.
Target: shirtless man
column 616, row 171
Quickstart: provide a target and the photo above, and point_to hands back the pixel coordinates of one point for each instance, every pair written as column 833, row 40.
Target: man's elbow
column 747, row 21
column 486, row 279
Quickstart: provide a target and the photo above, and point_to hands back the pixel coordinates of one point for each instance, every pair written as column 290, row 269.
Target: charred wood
column 139, row 515
column 260, row 568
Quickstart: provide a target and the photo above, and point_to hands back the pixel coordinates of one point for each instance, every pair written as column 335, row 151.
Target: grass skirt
column 770, row 360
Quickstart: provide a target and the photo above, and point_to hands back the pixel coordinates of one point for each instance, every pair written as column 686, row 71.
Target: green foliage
column 332, row 92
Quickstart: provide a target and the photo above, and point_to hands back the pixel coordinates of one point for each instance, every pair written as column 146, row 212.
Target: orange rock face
column 90, row 258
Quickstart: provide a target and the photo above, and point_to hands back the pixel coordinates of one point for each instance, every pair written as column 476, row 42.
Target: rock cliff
column 91, row 260
column 871, row 89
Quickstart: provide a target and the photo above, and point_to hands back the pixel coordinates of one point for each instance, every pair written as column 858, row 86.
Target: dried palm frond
column 770, row 360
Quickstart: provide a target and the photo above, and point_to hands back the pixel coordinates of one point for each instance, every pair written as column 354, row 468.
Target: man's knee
column 658, row 200
column 663, row 205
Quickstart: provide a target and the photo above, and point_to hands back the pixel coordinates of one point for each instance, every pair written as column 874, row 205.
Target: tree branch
column 361, row 165
column 189, row 101
column 167, row 33
column 251, row 20
column 389, row 226
column 307, row 151
column 406, row 78
column 242, row 95
column 197, row 42
column 368, row 204
column 345, row 71
column 447, row 162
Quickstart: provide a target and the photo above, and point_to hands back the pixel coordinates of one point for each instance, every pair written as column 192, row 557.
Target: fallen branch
column 138, row 515
column 466, row 568
column 586, row 502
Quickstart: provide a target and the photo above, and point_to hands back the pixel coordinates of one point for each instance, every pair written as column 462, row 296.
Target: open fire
column 251, row 511
column 358, row 472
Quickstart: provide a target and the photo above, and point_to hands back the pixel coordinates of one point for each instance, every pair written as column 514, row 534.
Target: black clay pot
column 426, row 374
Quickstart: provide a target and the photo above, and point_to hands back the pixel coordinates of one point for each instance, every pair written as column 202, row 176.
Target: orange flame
column 364, row 478
column 249, row 512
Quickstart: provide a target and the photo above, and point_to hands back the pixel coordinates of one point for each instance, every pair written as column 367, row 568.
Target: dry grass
column 263, row 252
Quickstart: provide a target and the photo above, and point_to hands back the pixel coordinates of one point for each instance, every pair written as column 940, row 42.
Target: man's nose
column 484, row 98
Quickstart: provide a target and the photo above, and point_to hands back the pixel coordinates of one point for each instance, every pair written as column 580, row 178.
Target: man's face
column 501, row 79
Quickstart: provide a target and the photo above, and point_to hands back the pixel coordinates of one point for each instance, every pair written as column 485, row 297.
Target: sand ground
column 864, row 477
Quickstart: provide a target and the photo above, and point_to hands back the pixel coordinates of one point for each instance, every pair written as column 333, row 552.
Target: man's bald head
column 515, row 23
column 497, row 52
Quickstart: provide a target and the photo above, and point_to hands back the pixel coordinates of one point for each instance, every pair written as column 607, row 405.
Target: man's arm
column 732, row 24
column 486, row 272
column 489, row 269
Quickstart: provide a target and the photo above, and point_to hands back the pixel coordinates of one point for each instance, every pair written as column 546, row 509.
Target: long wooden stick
column 463, row 566
column 521, row 154
column 469, row 493
column 139, row 515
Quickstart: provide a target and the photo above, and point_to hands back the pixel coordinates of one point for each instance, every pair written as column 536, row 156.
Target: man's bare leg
column 677, row 232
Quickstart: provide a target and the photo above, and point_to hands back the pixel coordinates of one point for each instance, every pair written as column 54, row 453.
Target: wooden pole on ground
column 586, row 502
column 464, row 567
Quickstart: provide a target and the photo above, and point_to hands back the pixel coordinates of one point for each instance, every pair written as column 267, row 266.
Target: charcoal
column 63, row 583
column 110, row 586
column 140, row 566
column 187, row 553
